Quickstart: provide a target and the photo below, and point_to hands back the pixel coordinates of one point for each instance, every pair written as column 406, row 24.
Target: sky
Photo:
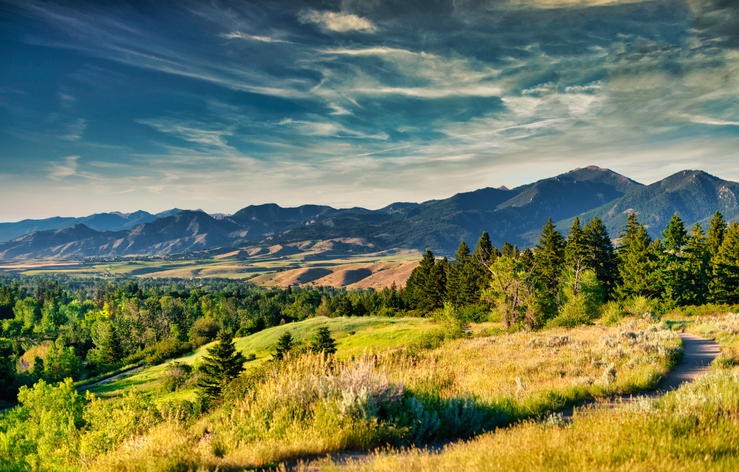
column 121, row 106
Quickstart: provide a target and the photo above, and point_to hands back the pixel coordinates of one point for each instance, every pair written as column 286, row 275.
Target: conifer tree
column 635, row 268
column 549, row 262
column 457, row 280
column 483, row 256
column 434, row 289
column 112, row 348
column 284, row 345
column 716, row 233
column 414, row 286
column 674, row 237
column 576, row 250
column 726, row 268
column 323, row 342
column 222, row 364
column 670, row 273
column 714, row 240
column 696, row 266
column 602, row 255
column 627, row 234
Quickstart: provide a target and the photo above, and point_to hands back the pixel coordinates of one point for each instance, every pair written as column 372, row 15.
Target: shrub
column 175, row 376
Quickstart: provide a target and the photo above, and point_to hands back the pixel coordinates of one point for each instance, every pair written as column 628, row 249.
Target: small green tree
column 222, row 364
column 323, row 342
column 284, row 345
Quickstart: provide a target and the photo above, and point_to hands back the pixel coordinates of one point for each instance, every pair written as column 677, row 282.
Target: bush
column 203, row 331
column 175, row 376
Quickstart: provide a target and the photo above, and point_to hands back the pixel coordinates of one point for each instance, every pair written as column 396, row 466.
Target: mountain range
column 514, row 215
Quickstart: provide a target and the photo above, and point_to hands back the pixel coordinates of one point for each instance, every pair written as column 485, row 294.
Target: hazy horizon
column 217, row 106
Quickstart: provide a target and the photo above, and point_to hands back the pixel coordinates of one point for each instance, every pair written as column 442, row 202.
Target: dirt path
column 110, row 379
column 698, row 353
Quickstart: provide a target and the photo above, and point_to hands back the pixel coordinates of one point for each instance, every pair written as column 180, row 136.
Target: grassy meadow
column 692, row 428
column 394, row 382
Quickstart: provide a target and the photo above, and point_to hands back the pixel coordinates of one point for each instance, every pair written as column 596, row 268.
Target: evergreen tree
column 478, row 274
column 627, row 234
column 696, row 266
column 602, row 255
column 222, row 364
column 716, row 233
column 414, row 286
column 549, row 262
column 576, row 250
column 323, row 342
column 714, row 240
column 434, row 290
column 726, row 268
column 635, row 268
column 457, row 280
column 674, row 237
column 507, row 250
column 112, row 349
column 284, row 345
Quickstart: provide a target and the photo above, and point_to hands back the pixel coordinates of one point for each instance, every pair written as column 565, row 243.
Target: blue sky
column 120, row 106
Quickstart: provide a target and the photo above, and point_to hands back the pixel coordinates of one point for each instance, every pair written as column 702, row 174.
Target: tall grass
column 692, row 429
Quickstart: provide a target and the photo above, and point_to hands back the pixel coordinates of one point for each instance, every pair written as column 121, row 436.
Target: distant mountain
column 693, row 194
column 514, row 215
column 185, row 231
column 115, row 221
column 504, row 214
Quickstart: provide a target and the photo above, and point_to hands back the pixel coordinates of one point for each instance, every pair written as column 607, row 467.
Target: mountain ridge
column 513, row 215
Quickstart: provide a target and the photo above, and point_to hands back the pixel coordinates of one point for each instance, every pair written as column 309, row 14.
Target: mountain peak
column 503, row 187
column 592, row 168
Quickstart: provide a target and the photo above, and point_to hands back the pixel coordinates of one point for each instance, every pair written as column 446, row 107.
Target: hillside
column 694, row 195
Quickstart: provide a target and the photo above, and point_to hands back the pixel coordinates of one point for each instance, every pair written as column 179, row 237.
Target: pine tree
column 696, row 266
column 635, row 268
column 112, row 348
column 714, row 240
column 434, row 289
column 323, row 342
column 627, row 233
column 457, row 280
column 413, row 293
column 602, row 255
column 549, row 262
column 284, row 345
column 222, row 364
column 716, row 234
column 726, row 268
column 674, row 237
column 478, row 274
column 576, row 250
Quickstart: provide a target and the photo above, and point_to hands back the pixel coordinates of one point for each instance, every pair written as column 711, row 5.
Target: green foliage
column 175, row 376
column 636, row 261
column 323, row 341
column 222, row 365
column 42, row 434
column 601, row 256
column 725, row 287
column 110, row 422
column 549, row 262
column 61, row 362
column 582, row 297
column 514, row 292
column 284, row 345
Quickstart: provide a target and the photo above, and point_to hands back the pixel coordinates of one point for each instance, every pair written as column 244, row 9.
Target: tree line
column 566, row 280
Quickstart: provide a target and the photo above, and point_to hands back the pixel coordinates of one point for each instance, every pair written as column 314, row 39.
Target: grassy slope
column 693, row 428
column 371, row 333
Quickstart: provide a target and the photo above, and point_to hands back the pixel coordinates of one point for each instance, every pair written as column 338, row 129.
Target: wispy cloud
column 251, row 37
column 339, row 22
column 64, row 168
